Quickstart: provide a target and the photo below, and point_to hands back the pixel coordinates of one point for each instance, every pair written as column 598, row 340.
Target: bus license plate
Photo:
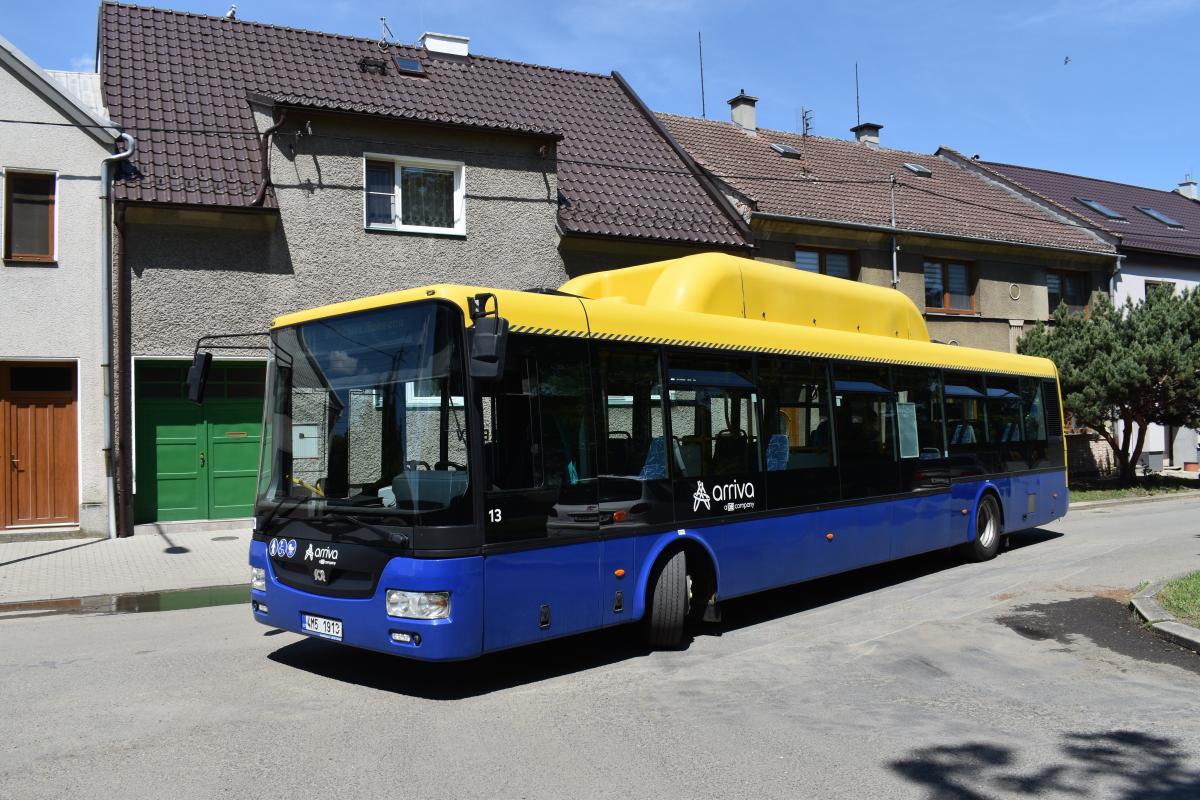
column 323, row 627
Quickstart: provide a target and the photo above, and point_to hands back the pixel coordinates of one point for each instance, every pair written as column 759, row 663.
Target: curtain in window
column 959, row 286
column 30, row 216
column 427, row 197
column 381, row 193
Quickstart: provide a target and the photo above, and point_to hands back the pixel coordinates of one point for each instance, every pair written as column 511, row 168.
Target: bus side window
column 1006, row 422
column 636, row 458
column 798, row 432
column 922, row 430
column 864, row 414
column 1033, row 411
column 967, row 425
column 539, row 442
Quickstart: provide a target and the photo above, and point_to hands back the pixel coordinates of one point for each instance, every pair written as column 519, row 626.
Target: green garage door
column 196, row 462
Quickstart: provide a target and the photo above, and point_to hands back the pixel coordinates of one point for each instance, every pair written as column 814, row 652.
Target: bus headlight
column 258, row 579
column 418, row 605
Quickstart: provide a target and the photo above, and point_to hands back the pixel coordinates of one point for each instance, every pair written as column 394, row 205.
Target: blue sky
column 982, row 77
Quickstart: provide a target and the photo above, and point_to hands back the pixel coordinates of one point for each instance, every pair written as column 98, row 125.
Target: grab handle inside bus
column 488, row 338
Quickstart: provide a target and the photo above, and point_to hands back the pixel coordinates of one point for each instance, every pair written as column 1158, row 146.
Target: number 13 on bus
column 454, row 470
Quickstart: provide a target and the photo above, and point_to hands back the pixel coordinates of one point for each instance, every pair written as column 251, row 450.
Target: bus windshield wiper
column 394, row 537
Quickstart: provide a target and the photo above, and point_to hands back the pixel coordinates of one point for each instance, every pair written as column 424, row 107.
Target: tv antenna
column 700, row 45
column 857, row 104
column 805, row 121
column 385, row 35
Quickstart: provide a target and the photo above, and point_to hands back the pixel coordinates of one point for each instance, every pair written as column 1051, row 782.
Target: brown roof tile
column 844, row 181
column 180, row 84
column 1137, row 230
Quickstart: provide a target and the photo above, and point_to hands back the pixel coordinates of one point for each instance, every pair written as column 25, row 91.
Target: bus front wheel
column 986, row 543
column 667, row 613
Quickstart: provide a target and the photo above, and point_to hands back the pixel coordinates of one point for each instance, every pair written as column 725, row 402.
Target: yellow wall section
column 697, row 301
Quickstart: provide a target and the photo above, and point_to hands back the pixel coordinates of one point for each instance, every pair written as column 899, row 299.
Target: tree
column 1124, row 367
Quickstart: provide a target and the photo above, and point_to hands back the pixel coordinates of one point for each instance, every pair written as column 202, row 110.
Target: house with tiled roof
column 279, row 169
column 1157, row 233
column 52, row 329
column 974, row 254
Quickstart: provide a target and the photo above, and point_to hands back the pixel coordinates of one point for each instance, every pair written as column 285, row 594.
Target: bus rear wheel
column 986, row 543
column 667, row 613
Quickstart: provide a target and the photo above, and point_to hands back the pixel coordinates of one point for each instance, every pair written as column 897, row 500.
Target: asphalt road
column 928, row 679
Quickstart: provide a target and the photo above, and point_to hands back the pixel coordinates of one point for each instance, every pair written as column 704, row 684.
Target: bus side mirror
column 489, row 340
column 197, row 377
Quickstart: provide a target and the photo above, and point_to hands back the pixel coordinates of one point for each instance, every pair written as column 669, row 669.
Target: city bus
column 450, row 470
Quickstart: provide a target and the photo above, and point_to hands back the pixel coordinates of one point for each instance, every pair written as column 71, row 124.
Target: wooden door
column 39, row 437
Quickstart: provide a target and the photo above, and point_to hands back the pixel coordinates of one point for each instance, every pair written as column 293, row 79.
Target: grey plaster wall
column 196, row 272
column 52, row 311
column 1010, row 283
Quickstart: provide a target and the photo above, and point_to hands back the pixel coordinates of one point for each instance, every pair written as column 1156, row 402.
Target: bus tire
column 986, row 543
column 668, row 604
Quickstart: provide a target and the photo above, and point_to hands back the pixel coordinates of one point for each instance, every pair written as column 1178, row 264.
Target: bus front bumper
column 364, row 622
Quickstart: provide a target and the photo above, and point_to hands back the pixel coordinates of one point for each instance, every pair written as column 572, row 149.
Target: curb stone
column 1124, row 501
column 1161, row 621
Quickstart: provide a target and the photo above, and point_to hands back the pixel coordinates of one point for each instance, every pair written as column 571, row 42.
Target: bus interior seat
column 777, row 452
column 619, row 449
column 690, row 455
column 731, row 452
column 426, row 490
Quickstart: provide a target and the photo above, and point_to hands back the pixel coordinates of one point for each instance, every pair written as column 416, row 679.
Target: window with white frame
column 416, row 195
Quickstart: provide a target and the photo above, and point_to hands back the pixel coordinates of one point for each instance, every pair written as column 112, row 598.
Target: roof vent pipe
column 1187, row 188
column 446, row 43
column 867, row 133
column 743, row 113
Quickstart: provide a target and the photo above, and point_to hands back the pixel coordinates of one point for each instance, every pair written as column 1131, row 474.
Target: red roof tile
column 847, row 182
column 180, row 84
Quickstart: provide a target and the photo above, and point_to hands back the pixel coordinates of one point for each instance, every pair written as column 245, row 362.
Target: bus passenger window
column 798, row 432
column 864, row 411
column 636, row 460
column 922, row 434
column 966, row 425
column 1006, row 423
column 539, row 443
column 1033, row 411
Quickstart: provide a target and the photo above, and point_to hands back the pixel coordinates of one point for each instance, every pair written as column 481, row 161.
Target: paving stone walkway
column 144, row 563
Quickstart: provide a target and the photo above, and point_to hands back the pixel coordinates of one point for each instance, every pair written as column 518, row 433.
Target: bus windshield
column 366, row 418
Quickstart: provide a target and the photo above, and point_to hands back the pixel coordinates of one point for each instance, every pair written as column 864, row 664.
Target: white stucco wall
column 1131, row 284
column 53, row 311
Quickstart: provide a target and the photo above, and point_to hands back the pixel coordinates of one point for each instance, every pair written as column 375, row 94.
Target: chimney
column 742, row 111
column 446, row 44
column 1187, row 188
column 867, row 133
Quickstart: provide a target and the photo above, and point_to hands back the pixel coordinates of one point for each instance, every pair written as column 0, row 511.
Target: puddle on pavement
column 174, row 600
column 1106, row 621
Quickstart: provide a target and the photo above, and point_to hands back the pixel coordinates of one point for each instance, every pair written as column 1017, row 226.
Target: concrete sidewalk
column 145, row 563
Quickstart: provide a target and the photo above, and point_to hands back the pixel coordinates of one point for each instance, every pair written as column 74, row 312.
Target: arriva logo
column 322, row 555
column 733, row 495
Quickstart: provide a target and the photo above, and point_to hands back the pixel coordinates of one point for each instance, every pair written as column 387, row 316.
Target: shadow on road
column 533, row 663
column 1129, row 765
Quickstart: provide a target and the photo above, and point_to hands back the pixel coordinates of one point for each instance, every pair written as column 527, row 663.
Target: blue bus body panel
column 496, row 600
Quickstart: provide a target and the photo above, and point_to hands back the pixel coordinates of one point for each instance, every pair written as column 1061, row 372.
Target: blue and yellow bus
column 454, row 470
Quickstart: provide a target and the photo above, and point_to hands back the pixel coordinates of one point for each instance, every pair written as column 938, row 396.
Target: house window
column 1067, row 287
column 413, row 195
column 29, row 216
column 1152, row 286
column 837, row 263
column 948, row 287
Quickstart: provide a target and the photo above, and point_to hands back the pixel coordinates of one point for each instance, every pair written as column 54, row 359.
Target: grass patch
column 1148, row 486
column 1182, row 598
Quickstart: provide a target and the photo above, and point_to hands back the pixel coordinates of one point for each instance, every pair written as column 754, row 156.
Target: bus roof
column 722, row 302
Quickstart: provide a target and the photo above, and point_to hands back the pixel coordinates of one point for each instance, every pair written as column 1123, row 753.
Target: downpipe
column 106, row 359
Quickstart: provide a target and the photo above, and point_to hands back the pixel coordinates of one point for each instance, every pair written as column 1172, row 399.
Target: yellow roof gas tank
column 725, row 285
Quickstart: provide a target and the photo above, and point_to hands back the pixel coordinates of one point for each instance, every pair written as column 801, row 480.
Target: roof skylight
column 785, row 150
column 1099, row 208
column 408, row 66
column 1158, row 215
column 918, row 169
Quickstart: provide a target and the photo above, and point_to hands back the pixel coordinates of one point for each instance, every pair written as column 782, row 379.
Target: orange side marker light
column 829, row 536
column 620, row 573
